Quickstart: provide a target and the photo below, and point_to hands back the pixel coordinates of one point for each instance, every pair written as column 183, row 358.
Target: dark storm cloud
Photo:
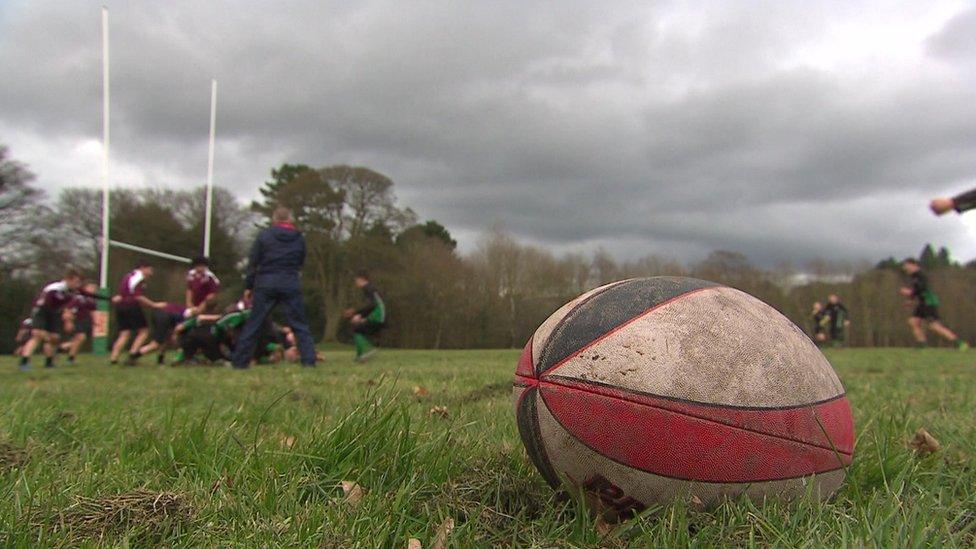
column 639, row 127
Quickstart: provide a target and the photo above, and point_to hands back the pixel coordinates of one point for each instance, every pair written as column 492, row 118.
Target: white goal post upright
column 103, row 278
column 100, row 317
column 210, row 164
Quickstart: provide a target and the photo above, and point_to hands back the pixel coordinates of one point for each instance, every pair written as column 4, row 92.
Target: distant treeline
column 494, row 296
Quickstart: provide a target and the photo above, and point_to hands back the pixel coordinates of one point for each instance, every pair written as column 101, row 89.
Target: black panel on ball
column 527, row 416
column 604, row 311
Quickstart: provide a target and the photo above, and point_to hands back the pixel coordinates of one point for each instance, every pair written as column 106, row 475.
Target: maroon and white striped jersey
column 54, row 296
column 132, row 286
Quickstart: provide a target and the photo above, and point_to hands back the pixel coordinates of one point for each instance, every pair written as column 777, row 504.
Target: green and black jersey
column 229, row 322
column 375, row 308
column 923, row 295
column 837, row 315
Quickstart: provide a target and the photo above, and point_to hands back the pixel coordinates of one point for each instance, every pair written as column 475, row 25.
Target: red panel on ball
column 525, row 367
column 828, row 424
column 704, row 442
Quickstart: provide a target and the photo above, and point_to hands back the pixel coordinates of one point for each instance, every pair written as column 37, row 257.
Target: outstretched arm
column 960, row 203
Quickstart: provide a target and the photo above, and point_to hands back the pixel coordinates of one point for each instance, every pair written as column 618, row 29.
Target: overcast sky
column 785, row 130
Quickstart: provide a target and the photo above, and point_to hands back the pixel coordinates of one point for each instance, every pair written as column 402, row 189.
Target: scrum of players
column 195, row 330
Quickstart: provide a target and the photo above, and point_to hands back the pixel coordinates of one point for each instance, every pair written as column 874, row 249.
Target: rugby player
column 46, row 318
column 128, row 310
column 23, row 335
column 838, row 319
column 926, row 307
column 820, row 321
column 78, row 320
column 164, row 323
column 368, row 320
column 202, row 286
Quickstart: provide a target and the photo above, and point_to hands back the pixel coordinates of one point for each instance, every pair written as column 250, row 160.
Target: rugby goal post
column 100, row 318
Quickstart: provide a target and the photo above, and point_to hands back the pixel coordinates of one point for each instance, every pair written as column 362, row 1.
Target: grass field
column 203, row 457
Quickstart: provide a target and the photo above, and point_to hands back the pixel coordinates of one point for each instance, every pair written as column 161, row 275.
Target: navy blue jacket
column 278, row 251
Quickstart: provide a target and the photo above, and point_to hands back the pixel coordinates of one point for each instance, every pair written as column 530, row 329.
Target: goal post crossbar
column 148, row 251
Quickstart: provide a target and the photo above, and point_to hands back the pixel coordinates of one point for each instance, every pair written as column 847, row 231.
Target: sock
column 48, row 361
column 24, row 361
column 179, row 356
column 362, row 344
column 71, row 359
column 161, row 358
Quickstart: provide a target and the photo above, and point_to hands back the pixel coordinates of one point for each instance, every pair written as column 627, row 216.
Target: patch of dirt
column 303, row 397
column 11, row 457
column 151, row 514
column 491, row 390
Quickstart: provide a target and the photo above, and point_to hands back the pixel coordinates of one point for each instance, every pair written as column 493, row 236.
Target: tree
column 927, row 258
column 20, row 207
column 430, row 229
column 280, row 177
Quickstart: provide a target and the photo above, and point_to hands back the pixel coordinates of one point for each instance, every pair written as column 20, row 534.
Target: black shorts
column 130, row 317
column 46, row 319
column 369, row 327
column 163, row 325
column 926, row 312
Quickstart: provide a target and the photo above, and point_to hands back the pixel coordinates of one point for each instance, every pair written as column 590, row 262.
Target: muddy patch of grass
column 11, row 456
column 140, row 514
column 485, row 392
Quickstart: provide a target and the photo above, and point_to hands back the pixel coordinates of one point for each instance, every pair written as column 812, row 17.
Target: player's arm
column 189, row 298
column 211, row 297
column 960, row 203
column 254, row 259
column 93, row 295
column 146, row 302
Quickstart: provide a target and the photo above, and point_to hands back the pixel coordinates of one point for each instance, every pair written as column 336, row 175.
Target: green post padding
column 100, row 328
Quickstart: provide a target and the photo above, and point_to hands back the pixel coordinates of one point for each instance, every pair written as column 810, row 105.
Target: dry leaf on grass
column 288, row 441
column 924, row 443
column 414, row 543
column 419, row 391
column 440, row 411
column 602, row 526
column 224, row 481
column 443, row 531
column 353, row 492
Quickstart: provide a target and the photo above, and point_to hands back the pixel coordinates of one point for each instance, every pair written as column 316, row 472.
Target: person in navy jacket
column 273, row 277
